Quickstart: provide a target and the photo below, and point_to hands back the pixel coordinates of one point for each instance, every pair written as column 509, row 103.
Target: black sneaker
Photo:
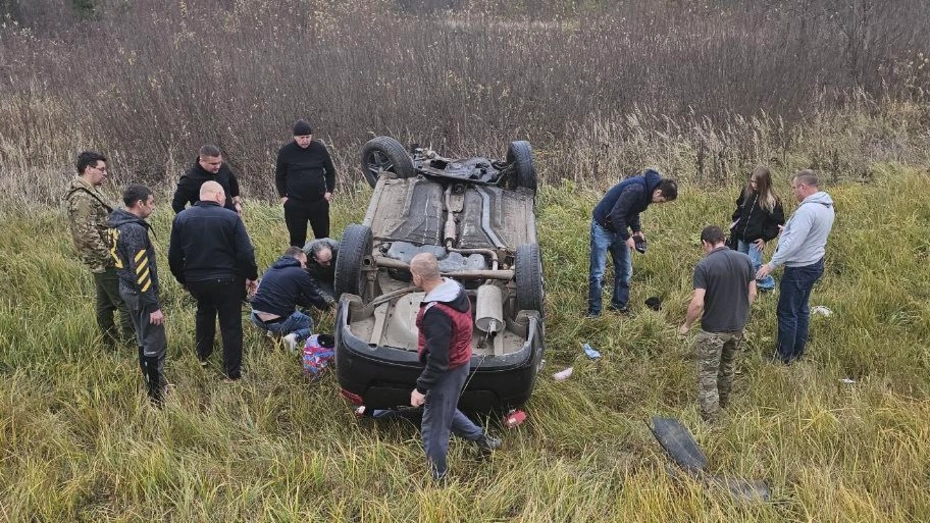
column 487, row 444
column 618, row 310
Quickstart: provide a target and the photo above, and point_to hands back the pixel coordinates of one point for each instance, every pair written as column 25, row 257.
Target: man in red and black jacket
column 444, row 347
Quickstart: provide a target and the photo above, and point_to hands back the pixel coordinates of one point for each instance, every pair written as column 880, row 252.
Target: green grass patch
column 79, row 441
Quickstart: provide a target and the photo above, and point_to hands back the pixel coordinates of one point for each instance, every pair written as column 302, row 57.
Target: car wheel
column 520, row 156
column 385, row 154
column 353, row 249
column 529, row 276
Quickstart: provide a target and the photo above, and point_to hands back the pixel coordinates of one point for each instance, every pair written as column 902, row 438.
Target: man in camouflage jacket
column 87, row 212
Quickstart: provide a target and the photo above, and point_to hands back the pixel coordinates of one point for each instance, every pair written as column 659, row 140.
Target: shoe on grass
column 290, row 341
column 487, row 444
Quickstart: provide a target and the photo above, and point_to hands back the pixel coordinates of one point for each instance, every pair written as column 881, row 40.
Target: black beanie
column 302, row 128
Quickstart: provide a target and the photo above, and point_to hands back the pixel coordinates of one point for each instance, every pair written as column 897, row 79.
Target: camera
column 641, row 245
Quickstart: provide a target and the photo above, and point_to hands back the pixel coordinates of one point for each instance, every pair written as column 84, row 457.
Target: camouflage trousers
column 715, row 354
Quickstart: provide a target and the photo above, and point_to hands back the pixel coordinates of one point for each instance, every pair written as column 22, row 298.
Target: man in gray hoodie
column 800, row 249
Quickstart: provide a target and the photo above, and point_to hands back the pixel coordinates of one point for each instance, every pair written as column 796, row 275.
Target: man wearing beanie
column 305, row 179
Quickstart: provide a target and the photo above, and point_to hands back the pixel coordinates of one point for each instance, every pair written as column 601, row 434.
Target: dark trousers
column 296, row 215
column 221, row 297
column 793, row 310
column 152, row 344
column 441, row 417
column 108, row 301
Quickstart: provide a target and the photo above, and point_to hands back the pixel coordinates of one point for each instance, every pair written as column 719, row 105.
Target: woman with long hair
column 757, row 219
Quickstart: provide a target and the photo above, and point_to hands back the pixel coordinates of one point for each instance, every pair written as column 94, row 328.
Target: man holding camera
column 616, row 227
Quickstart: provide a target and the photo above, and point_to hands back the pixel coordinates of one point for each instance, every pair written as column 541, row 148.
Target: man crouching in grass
column 724, row 289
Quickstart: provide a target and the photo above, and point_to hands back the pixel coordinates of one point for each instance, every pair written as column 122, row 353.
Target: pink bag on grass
column 318, row 353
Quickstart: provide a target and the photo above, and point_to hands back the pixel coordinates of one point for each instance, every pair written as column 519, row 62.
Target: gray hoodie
column 804, row 239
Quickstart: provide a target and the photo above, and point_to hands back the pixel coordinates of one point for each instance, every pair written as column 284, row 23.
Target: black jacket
column 286, row 285
column 188, row 190
column 134, row 257
column 754, row 222
column 322, row 273
column 209, row 242
column 304, row 174
column 619, row 209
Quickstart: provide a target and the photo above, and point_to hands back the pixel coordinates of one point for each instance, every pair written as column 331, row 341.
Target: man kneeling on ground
column 285, row 286
column 321, row 265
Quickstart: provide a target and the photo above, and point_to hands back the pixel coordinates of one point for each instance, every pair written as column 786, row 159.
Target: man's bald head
column 212, row 192
column 426, row 267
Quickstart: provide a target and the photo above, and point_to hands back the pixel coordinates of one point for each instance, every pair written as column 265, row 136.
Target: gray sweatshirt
column 804, row 239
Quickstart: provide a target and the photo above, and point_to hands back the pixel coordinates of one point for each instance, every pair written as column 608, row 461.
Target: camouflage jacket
column 88, row 216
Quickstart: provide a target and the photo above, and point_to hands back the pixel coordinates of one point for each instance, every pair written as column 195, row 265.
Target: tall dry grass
column 704, row 91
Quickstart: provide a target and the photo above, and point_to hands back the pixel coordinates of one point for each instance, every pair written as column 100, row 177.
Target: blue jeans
column 298, row 323
column 767, row 283
column 793, row 309
column 602, row 241
column 441, row 417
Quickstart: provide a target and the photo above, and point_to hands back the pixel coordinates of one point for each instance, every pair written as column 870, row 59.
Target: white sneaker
column 291, row 341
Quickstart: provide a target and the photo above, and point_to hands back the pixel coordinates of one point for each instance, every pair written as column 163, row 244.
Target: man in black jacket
column 212, row 256
column 321, row 265
column 208, row 167
column 285, row 286
column 134, row 259
column 615, row 227
column 305, row 179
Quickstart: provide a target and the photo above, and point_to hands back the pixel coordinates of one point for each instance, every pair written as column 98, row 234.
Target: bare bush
column 151, row 84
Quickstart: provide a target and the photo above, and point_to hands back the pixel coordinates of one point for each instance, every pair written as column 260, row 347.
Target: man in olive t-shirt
column 724, row 289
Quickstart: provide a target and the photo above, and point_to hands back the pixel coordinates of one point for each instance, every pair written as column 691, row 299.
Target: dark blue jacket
column 619, row 209
column 286, row 285
column 209, row 242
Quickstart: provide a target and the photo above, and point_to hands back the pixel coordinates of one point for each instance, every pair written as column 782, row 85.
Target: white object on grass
column 563, row 375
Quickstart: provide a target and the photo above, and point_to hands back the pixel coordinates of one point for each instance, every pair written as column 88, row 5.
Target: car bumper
column 382, row 377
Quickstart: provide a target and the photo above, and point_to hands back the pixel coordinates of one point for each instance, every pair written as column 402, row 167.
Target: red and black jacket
column 445, row 327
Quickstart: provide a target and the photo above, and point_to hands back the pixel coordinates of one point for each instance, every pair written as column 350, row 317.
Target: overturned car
column 477, row 216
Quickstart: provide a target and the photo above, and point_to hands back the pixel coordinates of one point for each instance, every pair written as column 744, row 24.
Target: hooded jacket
column 88, row 215
column 445, row 330
column 619, row 209
column 209, row 242
column 188, row 190
column 803, row 241
column 753, row 222
column 134, row 257
column 284, row 286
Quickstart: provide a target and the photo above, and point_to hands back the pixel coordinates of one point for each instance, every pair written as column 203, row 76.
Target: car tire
column 528, row 274
column 353, row 248
column 385, row 154
column 520, row 156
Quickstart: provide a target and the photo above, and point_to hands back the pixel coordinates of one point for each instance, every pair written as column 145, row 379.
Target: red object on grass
column 514, row 418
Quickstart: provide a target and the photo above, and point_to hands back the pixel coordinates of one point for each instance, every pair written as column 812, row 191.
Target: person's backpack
column 319, row 351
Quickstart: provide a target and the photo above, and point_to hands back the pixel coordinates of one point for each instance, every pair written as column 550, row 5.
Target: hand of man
column 631, row 243
column 328, row 196
column 763, row 272
column 417, row 399
column 283, row 200
column 760, row 244
column 251, row 286
column 683, row 330
column 638, row 235
column 238, row 207
column 157, row 318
